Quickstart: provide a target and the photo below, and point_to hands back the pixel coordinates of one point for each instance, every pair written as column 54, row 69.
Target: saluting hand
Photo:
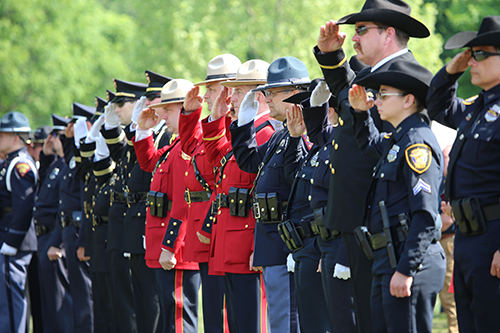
column 358, row 98
column 295, row 121
column 330, row 38
column 147, row 119
column 222, row 104
column 193, row 100
column 401, row 285
column 459, row 63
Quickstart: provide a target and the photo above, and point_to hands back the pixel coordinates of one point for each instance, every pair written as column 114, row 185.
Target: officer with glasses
column 383, row 29
column 473, row 179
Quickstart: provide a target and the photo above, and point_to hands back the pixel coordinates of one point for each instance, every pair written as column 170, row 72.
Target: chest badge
column 314, row 160
column 54, row 173
column 393, row 154
column 418, row 157
column 492, row 114
column 72, row 163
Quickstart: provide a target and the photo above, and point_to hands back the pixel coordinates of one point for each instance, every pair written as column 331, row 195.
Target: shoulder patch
column 23, row 168
column 470, row 100
column 418, row 157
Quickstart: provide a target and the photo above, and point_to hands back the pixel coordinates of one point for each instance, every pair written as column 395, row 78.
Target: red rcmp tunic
column 198, row 212
column 169, row 232
column 232, row 236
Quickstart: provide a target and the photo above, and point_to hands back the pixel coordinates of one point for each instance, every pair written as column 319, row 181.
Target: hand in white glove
column 110, row 116
column 342, row 272
column 248, row 109
column 80, row 131
column 138, row 107
column 290, row 263
column 101, row 149
column 8, row 250
column 95, row 130
column 320, row 94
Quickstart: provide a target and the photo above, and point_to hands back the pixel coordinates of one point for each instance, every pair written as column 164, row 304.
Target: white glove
column 290, row 263
column 138, row 107
column 95, row 130
column 79, row 131
column 110, row 116
column 101, row 149
column 248, row 109
column 342, row 272
column 8, row 250
column 320, row 94
column 126, row 254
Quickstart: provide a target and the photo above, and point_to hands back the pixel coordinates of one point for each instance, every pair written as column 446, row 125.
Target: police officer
column 57, row 307
column 286, row 76
column 178, row 279
column 382, row 32
column 69, row 221
column 409, row 263
column 334, row 267
column 472, row 181
column 18, row 177
column 199, row 182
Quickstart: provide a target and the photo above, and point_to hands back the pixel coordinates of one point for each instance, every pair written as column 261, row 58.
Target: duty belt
column 222, row 200
column 66, row 220
column 118, row 197
column 42, row 229
column 99, row 220
column 196, row 196
column 379, row 240
column 136, row 197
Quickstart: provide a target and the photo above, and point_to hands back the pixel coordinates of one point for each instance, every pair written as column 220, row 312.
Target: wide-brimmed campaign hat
column 488, row 35
column 15, row 122
column 128, row 90
column 252, row 72
column 403, row 75
column 155, row 82
column 285, row 71
column 174, row 91
column 302, row 96
column 40, row 135
column 395, row 13
column 82, row 111
column 221, row 68
column 59, row 123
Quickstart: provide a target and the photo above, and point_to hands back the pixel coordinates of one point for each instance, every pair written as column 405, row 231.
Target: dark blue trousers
column 477, row 293
column 313, row 317
column 147, row 303
column 409, row 314
column 101, row 291
column 244, row 300
column 339, row 302
column 212, row 298
column 55, row 290
column 178, row 292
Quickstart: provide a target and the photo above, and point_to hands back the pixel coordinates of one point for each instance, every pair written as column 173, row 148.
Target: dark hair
column 497, row 48
column 419, row 102
column 402, row 37
column 302, row 87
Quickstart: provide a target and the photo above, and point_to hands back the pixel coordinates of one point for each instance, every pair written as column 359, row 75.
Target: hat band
column 172, row 99
column 242, row 79
column 124, row 94
column 292, row 80
column 220, row 76
column 153, row 89
column 15, row 129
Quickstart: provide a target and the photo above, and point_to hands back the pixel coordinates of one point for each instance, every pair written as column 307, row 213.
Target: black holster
column 290, row 235
column 158, row 203
column 469, row 216
column 268, row 207
column 239, row 201
column 362, row 238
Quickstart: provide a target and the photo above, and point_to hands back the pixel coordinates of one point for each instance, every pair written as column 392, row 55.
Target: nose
column 206, row 96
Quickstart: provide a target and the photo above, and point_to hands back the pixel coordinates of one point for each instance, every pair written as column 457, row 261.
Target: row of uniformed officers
column 138, row 201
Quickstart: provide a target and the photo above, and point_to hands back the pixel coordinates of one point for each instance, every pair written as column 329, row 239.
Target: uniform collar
column 14, row 153
column 491, row 94
column 406, row 124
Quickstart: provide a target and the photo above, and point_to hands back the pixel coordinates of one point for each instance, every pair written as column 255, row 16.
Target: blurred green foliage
column 53, row 53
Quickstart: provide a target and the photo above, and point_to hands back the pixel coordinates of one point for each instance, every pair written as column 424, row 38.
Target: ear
column 409, row 101
column 259, row 96
column 390, row 33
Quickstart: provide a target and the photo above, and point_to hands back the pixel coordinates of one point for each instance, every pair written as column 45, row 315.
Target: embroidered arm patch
column 23, row 168
column 421, row 186
column 418, row 157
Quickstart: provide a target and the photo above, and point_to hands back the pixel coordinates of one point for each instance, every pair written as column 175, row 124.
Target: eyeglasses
column 153, row 97
column 481, row 55
column 121, row 103
column 362, row 30
column 270, row 94
column 382, row 96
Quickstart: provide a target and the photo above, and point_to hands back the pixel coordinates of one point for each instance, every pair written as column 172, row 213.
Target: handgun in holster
column 362, row 236
column 387, row 232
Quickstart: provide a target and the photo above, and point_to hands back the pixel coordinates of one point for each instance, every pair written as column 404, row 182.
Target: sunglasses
column 362, row 30
column 153, row 97
column 382, row 96
column 271, row 94
column 121, row 103
column 481, row 55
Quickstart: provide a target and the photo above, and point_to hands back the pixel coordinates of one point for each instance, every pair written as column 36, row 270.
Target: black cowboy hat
column 407, row 76
column 488, row 35
column 395, row 13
